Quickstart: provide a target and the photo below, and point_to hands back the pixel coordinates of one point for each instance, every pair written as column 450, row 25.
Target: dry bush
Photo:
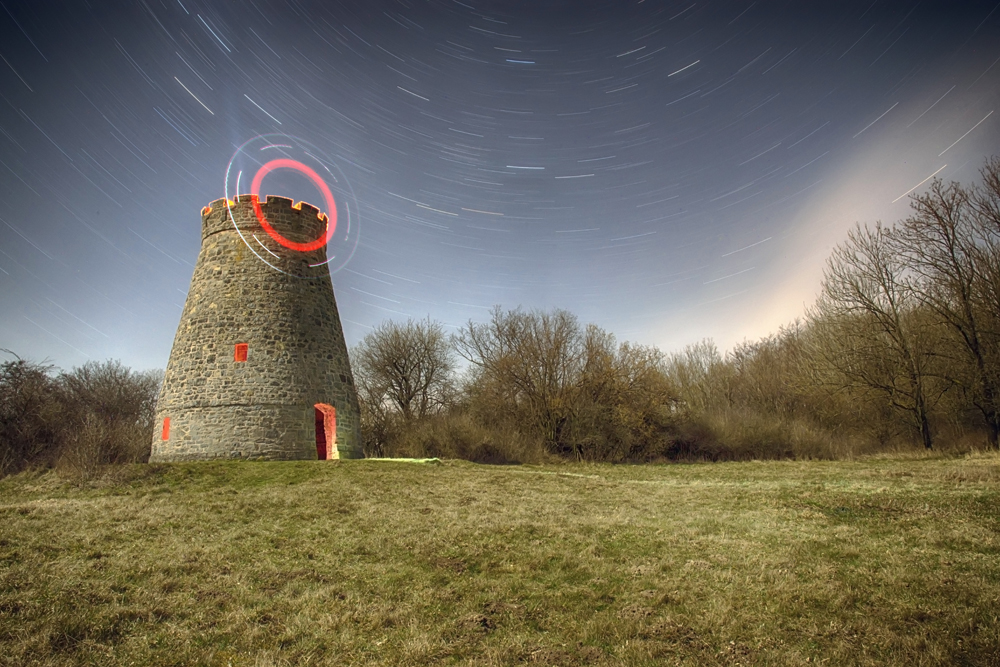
column 109, row 416
column 96, row 415
column 574, row 389
column 744, row 435
column 626, row 408
column 530, row 363
column 457, row 435
column 29, row 415
column 95, row 443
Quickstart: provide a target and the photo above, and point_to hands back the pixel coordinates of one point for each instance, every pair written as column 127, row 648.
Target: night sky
column 667, row 170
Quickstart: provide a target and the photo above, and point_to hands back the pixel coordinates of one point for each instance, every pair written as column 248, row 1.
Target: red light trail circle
column 280, row 153
column 331, row 220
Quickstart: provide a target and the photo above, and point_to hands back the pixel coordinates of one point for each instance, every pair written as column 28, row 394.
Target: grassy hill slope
column 871, row 562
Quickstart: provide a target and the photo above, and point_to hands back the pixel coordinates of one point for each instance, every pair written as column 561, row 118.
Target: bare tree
column 625, row 403
column 985, row 200
column 951, row 246
column 866, row 324
column 531, row 362
column 700, row 376
column 405, row 368
column 769, row 374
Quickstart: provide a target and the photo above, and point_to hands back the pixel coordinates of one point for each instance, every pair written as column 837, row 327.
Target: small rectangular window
column 241, row 351
column 166, row 428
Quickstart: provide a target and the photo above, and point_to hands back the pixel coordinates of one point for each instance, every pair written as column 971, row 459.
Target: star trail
column 667, row 170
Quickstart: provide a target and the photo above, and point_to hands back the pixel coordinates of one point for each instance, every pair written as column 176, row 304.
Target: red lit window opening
column 166, row 428
column 241, row 351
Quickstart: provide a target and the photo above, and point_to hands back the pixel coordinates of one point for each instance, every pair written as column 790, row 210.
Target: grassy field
column 874, row 562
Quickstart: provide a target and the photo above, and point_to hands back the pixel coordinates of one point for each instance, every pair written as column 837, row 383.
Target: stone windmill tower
column 259, row 367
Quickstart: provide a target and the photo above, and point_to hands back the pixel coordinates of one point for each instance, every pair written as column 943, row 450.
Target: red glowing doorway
column 326, row 432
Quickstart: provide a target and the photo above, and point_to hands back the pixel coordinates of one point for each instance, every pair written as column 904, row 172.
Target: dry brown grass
column 873, row 562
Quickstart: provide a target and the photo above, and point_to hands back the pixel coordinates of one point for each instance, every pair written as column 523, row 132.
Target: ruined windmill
column 259, row 367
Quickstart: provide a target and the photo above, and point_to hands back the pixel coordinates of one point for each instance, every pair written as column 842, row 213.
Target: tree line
column 901, row 347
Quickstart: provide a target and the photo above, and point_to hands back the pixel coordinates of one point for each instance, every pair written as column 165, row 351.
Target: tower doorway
column 326, row 432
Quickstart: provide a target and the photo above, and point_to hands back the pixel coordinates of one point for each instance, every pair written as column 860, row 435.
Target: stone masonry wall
column 286, row 313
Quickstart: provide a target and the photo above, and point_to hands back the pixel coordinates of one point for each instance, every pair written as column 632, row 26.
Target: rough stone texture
column 262, row 408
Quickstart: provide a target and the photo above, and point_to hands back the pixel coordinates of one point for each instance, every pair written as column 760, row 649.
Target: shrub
column 458, row 435
column 30, row 415
column 95, row 415
column 111, row 410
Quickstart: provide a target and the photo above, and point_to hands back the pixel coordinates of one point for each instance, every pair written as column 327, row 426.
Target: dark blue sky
column 667, row 170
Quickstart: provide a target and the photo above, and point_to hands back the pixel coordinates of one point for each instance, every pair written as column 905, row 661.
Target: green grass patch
column 874, row 562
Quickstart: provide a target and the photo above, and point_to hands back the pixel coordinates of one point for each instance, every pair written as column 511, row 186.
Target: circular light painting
column 286, row 166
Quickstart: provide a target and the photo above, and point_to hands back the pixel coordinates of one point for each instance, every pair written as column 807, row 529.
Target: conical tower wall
column 249, row 291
